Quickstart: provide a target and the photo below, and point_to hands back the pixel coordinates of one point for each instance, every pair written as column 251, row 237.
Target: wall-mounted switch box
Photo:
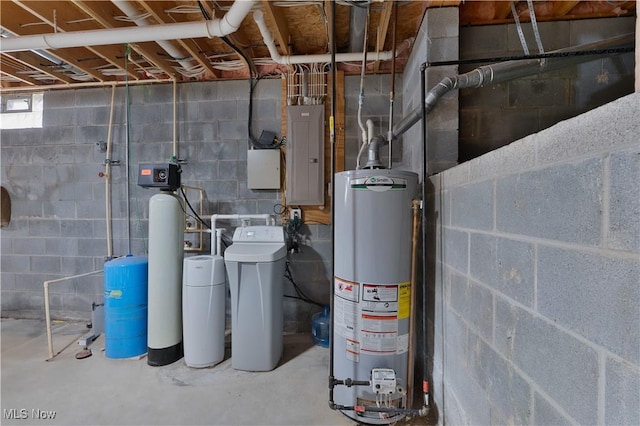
column 263, row 168
column 305, row 155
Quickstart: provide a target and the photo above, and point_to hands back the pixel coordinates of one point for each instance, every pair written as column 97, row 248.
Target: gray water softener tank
column 255, row 267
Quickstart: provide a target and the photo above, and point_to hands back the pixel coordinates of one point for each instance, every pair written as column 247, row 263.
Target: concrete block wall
column 436, row 41
column 58, row 223
column 535, row 277
column 375, row 107
column 498, row 114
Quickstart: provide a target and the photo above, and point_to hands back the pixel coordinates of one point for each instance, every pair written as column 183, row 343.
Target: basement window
column 21, row 111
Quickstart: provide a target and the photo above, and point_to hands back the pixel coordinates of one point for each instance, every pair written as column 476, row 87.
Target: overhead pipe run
column 226, row 25
column 132, row 13
column 510, row 70
column 309, row 59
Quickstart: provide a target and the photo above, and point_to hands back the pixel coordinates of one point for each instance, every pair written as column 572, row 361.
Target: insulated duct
column 226, row 25
column 511, row 70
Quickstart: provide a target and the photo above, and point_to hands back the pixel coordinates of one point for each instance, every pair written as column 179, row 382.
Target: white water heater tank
column 372, row 285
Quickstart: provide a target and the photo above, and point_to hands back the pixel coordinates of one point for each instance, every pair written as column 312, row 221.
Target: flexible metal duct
column 510, row 70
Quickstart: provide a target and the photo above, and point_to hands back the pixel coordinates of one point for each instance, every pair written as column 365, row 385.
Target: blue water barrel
column 125, row 307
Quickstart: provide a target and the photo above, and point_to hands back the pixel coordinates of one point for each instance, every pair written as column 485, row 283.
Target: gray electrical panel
column 305, row 155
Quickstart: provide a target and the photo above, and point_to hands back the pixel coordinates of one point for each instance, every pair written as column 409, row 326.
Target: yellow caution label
column 404, row 300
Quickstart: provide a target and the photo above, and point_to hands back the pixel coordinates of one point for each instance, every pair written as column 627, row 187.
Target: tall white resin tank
column 372, row 292
column 166, row 252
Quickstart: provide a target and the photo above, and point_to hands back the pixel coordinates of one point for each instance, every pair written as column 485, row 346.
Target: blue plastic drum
column 125, row 307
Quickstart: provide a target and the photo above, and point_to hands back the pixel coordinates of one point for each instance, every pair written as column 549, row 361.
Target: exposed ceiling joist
column 35, row 62
column 238, row 38
column 502, row 9
column 281, row 29
column 299, row 28
column 104, row 13
column 18, row 20
column 157, row 9
column 66, row 19
column 14, row 73
column 383, row 27
column 561, row 8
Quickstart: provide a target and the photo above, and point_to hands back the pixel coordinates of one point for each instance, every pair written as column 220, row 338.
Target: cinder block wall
column 535, row 277
column 58, row 223
column 436, row 41
column 501, row 113
column 375, row 107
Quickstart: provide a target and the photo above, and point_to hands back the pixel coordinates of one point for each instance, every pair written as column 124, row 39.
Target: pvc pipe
column 130, row 10
column 229, row 23
column 218, row 242
column 47, row 312
column 175, row 121
column 393, row 83
column 107, row 178
column 309, row 59
column 215, row 217
column 80, row 85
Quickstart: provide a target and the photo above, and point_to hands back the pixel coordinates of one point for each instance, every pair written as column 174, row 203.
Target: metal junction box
column 305, row 155
column 263, row 169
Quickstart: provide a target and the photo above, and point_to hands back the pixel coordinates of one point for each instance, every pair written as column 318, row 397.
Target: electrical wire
column 301, row 295
column 196, row 215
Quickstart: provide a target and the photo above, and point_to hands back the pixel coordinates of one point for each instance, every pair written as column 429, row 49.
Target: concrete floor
column 102, row 391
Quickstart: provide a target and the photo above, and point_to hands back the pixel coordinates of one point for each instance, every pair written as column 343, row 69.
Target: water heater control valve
column 383, row 381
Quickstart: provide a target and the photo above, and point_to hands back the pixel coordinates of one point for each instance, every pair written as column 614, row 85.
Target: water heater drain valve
column 383, row 381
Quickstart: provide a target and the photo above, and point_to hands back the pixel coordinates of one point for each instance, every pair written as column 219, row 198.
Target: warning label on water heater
column 367, row 315
column 379, row 298
column 347, row 289
column 345, row 308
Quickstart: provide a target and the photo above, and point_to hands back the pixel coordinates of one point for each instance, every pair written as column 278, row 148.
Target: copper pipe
column 415, row 206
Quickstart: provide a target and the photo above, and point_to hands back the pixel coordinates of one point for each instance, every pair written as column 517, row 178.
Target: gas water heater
column 372, row 290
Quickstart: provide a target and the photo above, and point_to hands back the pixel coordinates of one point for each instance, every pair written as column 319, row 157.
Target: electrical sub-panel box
column 305, row 155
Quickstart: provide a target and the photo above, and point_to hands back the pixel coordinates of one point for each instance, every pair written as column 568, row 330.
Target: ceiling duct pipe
column 132, row 13
column 226, row 25
column 357, row 22
column 511, row 70
column 309, row 59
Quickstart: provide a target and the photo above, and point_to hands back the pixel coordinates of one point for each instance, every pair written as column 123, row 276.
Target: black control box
column 159, row 175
